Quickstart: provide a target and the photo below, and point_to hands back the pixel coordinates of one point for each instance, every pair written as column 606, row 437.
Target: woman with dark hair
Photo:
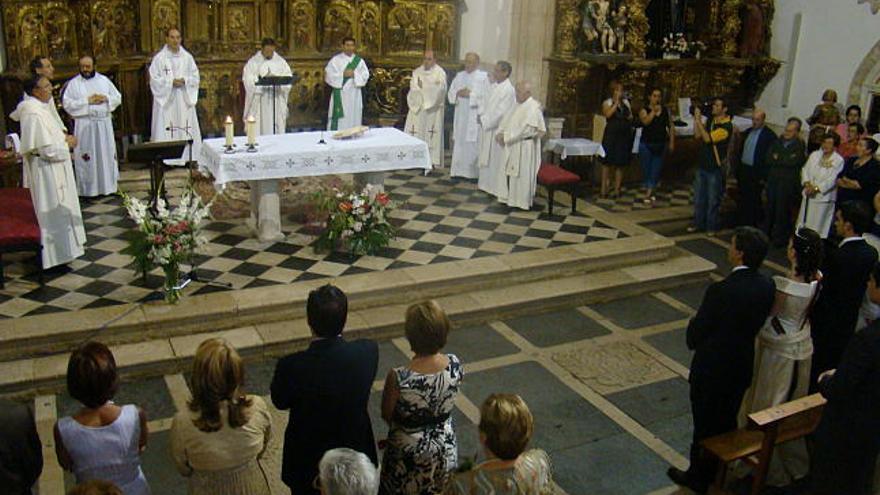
column 618, row 138
column 785, row 348
column 216, row 443
column 658, row 136
column 860, row 178
column 825, row 118
column 102, row 441
column 853, row 116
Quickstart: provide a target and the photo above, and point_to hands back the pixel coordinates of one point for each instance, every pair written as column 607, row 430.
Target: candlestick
column 251, row 128
column 230, row 131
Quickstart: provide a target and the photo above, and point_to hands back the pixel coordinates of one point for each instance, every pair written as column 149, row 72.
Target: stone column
column 531, row 40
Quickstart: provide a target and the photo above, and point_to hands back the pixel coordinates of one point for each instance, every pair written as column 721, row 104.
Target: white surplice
column 427, row 108
column 52, row 186
column 175, row 107
column 258, row 100
column 94, row 157
column 522, row 130
column 820, row 208
column 57, row 118
column 500, row 101
column 352, row 100
column 465, row 128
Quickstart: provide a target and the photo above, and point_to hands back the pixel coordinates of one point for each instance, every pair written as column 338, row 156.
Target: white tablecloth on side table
column 281, row 156
column 567, row 147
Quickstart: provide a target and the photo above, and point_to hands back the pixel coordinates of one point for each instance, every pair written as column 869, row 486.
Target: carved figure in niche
column 621, row 19
column 600, row 10
column 406, row 24
column 752, row 39
column 165, row 14
column 337, row 25
column 442, row 33
column 370, row 29
column 587, row 25
column 301, row 23
column 238, row 24
column 30, row 35
column 58, row 33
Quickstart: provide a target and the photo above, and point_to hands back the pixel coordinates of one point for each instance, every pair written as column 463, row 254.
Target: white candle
column 230, row 130
column 251, row 128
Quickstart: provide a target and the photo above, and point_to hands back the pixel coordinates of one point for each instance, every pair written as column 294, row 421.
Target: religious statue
column 587, row 25
column 621, row 19
column 601, row 11
column 752, row 38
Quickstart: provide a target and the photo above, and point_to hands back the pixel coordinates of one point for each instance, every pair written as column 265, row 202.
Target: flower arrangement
column 676, row 45
column 166, row 237
column 356, row 220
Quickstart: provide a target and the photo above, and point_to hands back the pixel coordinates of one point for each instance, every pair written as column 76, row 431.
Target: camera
column 704, row 104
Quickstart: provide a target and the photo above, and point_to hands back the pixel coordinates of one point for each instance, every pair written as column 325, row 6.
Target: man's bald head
column 428, row 61
column 523, row 91
column 471, row 61
column 758, row 118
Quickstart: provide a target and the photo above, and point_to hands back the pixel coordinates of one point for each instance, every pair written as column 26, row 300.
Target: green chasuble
column 338, row 112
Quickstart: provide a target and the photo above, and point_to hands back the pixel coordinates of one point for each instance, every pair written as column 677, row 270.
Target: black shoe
column 682, row 478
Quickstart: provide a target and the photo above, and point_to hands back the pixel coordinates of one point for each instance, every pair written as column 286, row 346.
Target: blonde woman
column 417, row 404
column 217, row 443
column 506, row 427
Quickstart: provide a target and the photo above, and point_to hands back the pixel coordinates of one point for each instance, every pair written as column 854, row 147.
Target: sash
column 338, row 111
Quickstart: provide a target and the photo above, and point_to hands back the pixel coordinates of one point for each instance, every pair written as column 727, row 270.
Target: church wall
column 834, row 40
column 486, row 29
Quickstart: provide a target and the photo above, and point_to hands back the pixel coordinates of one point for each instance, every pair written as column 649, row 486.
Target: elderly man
column 751, row 171
column 174, row 81
column 520, row 137
column 784, row 160
column 501, row 99
column 90, row 99
column 261, row 101
column 467, row 92
column 427, row 106
column 46, row 152
column 347, row 472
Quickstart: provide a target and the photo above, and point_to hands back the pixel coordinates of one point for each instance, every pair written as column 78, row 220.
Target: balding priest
column 90, row 99
column 260, row 101
column 174, row 81
column 499, row 102
column 427, row 106
column 466, row 93
column 46, row 152
column 520, row 136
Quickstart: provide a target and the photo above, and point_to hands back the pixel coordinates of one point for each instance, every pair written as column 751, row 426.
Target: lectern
column 274, row 82
column 155, row 153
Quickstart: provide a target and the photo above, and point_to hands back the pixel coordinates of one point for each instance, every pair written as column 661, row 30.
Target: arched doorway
column 865, row 88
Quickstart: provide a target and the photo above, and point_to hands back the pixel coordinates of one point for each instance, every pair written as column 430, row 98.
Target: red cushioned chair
column 554, row 177
column 19, row 230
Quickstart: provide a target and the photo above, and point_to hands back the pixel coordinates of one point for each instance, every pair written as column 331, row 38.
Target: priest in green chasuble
column 346, row 74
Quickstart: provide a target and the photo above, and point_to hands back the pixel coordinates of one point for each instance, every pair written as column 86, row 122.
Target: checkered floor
column 440, row 219
column 673, row 194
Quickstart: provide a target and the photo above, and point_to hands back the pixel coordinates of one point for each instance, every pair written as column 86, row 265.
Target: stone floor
column 611, row 423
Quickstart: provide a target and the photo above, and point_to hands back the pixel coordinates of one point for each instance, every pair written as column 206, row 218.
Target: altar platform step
column 156, row 339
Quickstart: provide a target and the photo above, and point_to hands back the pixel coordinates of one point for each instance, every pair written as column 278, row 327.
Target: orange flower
column 382, row 198
column 345, row 206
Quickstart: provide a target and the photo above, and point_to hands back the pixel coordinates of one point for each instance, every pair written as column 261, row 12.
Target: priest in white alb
column 346, row 74
column 270, row 111
column 466, row 92
column 174, row 82
column 499, row 102
column 260, row 101
column 90, row 99
column 520, row 136
column 46, row 152
column 427, row 106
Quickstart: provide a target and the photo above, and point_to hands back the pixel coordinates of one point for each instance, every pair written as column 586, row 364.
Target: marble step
column 34, row 336
column 155, row 355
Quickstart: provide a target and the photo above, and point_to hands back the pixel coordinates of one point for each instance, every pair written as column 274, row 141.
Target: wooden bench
column 552, row 177
column 19, row 230
column 766, row 429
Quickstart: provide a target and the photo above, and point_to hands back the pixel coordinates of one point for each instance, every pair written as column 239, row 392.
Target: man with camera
column 715, row 136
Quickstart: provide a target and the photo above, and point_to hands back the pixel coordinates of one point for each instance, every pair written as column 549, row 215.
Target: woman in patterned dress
column 417, row 404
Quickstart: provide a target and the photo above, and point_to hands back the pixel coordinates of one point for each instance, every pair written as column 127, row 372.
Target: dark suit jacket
column 723, row 331
column 766, row 138
column 21, row 455
column 848, row 436
column 834, row 317
column 326, row 388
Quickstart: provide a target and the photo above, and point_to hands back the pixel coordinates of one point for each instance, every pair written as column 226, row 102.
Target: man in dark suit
column 723, row 335
column 846, row 272
column 326, row 388
column 21, row 454
column 848, row 436
column 751, row 168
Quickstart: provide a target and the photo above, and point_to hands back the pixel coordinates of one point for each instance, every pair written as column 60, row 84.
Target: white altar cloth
column 566, row 147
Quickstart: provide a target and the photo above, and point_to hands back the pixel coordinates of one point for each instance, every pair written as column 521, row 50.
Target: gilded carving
column 59, row 30
column 338, row 23
column 165, row 15
column 240, row 23
column 370, row 27
column 638, row 27
column 442, row 32
column 113, row 31
column 302, row 26
column 568, row 22
column 565, row 84
column 406, row 29
column 386, row 95
column 730, row 27
column 30, row 33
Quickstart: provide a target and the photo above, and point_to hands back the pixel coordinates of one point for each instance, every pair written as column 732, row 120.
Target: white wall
column 835, row 37
column 485, row 29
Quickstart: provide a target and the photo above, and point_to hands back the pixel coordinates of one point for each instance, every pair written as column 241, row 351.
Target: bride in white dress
column 784, row 350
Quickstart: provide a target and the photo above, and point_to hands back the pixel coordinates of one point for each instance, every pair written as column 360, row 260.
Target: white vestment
column 258, row 101
column 174, row 109
column 57, row 118
column 52, row 186
column 427, row 108
column 352, row 101
column 820, row 208
column 94, row 157
column 522, row 130
column 465, row 128
column 501, row 100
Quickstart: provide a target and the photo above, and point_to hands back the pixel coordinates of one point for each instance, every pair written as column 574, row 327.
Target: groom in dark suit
column 722, row 334
column 326, row 388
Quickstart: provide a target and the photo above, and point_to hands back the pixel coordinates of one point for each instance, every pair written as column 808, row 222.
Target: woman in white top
column 784, row 349
column 819, row 181
column 102, row 441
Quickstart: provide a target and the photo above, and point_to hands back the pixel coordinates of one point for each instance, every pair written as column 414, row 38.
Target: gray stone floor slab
column 711, row 251
column 672, row 343
column 159, row 468
column 389, row 357
column 691, row 294
column 150, row 394
column 676, row 432
column 472, row 344
column 654, row 402
column 563, row 419
column 557, row 327
column 258, row 376
column 638, row 311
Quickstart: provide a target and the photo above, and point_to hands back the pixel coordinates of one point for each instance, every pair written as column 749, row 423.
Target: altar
column 303, row 154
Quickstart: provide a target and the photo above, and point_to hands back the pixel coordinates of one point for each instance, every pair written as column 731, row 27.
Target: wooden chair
column 755, row 443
